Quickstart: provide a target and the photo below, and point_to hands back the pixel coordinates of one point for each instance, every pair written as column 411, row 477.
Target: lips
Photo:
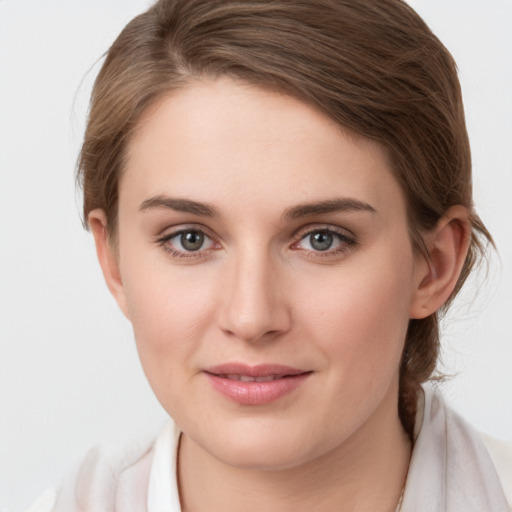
column 255, row 385
column 248, row 378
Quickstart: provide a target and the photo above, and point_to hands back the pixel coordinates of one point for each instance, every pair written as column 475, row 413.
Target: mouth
column 255, row 385
column 248, row 378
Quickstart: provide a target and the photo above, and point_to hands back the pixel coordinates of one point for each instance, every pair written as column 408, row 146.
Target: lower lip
column 256, row 393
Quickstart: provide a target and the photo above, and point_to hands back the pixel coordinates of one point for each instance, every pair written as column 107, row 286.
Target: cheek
column 169, row 311
column 362, row 314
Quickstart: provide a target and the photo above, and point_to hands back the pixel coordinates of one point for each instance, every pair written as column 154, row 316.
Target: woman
column 281, row 204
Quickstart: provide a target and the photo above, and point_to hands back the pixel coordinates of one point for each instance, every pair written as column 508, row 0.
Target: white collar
column 450, row 469
column 163, row 495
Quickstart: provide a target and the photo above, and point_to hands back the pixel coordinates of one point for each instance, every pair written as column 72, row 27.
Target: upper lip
column 260, row 370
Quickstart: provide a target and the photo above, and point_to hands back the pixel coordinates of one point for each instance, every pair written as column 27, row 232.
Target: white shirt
column 453, row 469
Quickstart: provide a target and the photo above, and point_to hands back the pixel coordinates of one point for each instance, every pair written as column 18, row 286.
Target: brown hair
column 373, row 66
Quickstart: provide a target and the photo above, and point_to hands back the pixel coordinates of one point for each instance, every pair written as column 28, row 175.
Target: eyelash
column 198, row 254
column 347, row 242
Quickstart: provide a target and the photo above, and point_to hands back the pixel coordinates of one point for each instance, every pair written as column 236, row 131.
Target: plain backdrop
column 69, row 373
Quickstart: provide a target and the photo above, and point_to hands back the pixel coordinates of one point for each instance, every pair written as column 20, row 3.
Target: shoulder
column 452, row 467
column 104, row 476
column 501, row 456
column 104, row 481
column 136, row 478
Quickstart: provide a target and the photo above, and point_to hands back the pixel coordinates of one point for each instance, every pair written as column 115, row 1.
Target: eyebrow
column 341, row 204
column 179, row 205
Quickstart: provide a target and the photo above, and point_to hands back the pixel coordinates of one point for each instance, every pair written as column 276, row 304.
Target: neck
column 367, row 473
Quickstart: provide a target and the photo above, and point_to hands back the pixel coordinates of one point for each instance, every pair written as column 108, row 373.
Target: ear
column 107, row 257
column 437, row 275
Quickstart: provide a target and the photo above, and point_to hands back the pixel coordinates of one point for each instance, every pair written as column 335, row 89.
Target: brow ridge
column 339, row 204
column 179, row 205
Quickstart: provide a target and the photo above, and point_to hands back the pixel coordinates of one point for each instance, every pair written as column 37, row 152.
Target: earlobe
column 107, row 257
column 437, row 277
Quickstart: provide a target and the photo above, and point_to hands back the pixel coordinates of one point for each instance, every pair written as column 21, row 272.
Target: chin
column 260, row 446
column 255, row 457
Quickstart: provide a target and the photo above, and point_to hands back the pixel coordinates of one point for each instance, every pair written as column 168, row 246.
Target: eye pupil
column 321, row 241
column 192, row 240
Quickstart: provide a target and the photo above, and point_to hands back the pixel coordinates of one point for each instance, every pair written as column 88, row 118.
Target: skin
column 258, row 292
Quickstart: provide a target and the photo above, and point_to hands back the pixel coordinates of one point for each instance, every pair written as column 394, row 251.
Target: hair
column 373, row 66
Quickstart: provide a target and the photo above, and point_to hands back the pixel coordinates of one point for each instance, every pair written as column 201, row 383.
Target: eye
column 320, row 241
column 325, row 241
column 191, row 240
column 187, row 243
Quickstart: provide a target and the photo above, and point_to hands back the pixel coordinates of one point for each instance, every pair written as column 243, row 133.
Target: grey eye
column 321, row 240
column 192, row 240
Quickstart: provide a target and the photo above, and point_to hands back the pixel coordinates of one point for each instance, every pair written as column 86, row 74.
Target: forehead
column 219, row 141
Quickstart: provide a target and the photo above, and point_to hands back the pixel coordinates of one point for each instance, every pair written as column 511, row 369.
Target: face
column 265, row 263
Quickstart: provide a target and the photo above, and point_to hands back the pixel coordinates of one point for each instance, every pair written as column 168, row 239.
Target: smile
column 255, row 385
column 248, row 378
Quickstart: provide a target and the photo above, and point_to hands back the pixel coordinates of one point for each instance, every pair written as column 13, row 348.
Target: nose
column 254, row 303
